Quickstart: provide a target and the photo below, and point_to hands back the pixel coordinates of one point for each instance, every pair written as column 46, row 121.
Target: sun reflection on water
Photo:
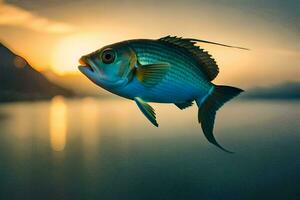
column 58, row 123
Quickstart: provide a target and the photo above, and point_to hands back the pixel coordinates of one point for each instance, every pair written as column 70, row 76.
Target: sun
column 70, row 49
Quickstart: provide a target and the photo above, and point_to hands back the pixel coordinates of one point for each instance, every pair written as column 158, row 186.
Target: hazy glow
column 70, row 49
column 58, row 123
column 14, row 16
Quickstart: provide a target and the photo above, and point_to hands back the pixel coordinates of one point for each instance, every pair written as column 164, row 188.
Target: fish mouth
column 84, row 64
column 96, row 75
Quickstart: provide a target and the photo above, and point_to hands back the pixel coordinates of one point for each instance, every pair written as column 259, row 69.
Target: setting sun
column 70, row 49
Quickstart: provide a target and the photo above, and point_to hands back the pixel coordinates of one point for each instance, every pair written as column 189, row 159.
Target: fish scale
column 164, row 52
column 181, row 76
column 174, row 58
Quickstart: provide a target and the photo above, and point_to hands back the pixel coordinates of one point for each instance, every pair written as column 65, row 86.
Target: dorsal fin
column 206, row 63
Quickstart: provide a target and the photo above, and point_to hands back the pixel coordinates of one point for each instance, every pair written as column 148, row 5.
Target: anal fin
column 184, row 105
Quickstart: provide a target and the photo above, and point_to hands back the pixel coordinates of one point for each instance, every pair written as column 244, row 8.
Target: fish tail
column 208, row 107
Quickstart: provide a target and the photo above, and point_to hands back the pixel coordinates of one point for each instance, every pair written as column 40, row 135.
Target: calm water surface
column 106, row 149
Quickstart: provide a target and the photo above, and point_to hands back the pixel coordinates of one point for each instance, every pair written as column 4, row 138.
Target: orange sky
column 52, row 36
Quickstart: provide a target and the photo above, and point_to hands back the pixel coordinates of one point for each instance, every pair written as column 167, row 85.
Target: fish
column 170, row 69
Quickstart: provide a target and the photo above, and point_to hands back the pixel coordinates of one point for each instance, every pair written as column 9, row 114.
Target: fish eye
column 108, row 56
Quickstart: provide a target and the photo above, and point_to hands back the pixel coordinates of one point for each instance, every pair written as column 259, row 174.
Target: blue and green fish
column 167, row 70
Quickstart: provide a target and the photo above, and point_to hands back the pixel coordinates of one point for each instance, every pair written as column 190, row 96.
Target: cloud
column 11, row 15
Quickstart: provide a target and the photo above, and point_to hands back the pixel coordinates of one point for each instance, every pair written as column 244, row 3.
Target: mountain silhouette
column 287, row 90
column 19, row 81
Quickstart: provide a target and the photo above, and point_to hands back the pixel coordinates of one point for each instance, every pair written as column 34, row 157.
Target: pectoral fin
column 151, row 74
column 147, row 110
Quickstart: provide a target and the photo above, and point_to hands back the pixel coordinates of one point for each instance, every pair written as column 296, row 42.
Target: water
column 106, row 149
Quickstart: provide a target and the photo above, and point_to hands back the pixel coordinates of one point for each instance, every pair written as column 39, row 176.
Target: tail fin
column 209, row 106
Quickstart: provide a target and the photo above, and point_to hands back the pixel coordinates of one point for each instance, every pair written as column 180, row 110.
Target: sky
column 53, row 34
